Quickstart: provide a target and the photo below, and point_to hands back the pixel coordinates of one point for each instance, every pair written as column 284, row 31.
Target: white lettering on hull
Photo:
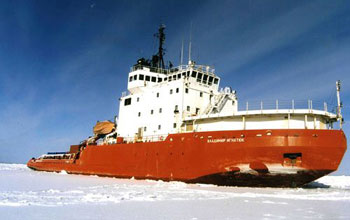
column 228, row 140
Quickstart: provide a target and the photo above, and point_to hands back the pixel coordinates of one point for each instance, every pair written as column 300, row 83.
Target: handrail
column 200, row 68
column 147, row 138
column 285, row 104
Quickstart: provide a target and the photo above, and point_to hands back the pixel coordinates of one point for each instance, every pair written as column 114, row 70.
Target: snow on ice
column 41, row 195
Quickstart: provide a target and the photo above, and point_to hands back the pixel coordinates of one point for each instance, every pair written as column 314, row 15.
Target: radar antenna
column 161, row 36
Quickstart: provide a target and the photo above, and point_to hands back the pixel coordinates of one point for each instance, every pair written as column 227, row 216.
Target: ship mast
column 182, row 53
column 161, row 36
column 190, row 46
column 340, row 105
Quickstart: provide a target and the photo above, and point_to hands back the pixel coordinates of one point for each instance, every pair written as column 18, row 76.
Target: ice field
column 27, row 194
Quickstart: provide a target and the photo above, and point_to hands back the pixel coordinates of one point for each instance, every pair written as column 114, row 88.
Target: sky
column 64, row 64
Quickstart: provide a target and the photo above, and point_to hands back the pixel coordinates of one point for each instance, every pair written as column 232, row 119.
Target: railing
column 285, row 104
column 200, row 68
column 125, row 93
column 152, row 69
column 148, row 138
column 54, row 153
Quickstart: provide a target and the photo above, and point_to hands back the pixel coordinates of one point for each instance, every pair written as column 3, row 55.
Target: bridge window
column 188, row 74
column 194, row 73
column 177, row 90
column 141, row 77
column 159, row 79
column 184, row 74
column 210, row 80
column 169, row 78
column 216, row 81
column 179, row 76
column 199, row 77
column 148, row 78
column 130, row 78
column 174, row 77
column 127, row 101
column 154, row 79
column 135, row 77
column 205, row 78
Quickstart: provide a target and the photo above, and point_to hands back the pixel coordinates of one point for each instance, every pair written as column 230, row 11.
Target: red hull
column 282, row 158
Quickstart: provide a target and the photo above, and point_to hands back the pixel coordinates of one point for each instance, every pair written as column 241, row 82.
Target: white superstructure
column 159, row 100
column 188, row 98
column 162, row 101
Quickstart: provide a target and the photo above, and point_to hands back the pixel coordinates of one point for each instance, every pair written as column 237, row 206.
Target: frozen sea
column 27, row 194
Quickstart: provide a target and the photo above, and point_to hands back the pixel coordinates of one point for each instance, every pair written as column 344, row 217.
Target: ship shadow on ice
column 315, row 185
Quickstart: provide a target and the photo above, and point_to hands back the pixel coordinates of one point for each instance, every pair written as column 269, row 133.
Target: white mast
column 340, row 118
column 182, row 52
column 190, row 46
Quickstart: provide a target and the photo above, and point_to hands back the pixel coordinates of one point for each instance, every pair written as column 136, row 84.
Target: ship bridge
column 141, row 76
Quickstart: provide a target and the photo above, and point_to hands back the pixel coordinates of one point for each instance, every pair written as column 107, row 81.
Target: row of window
column 176, row 110
column 128, row 100
column 144, row 78
column 152, row 111
column 177, row 91
column 186, row 91
column 200, row 77
column 160, row 127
